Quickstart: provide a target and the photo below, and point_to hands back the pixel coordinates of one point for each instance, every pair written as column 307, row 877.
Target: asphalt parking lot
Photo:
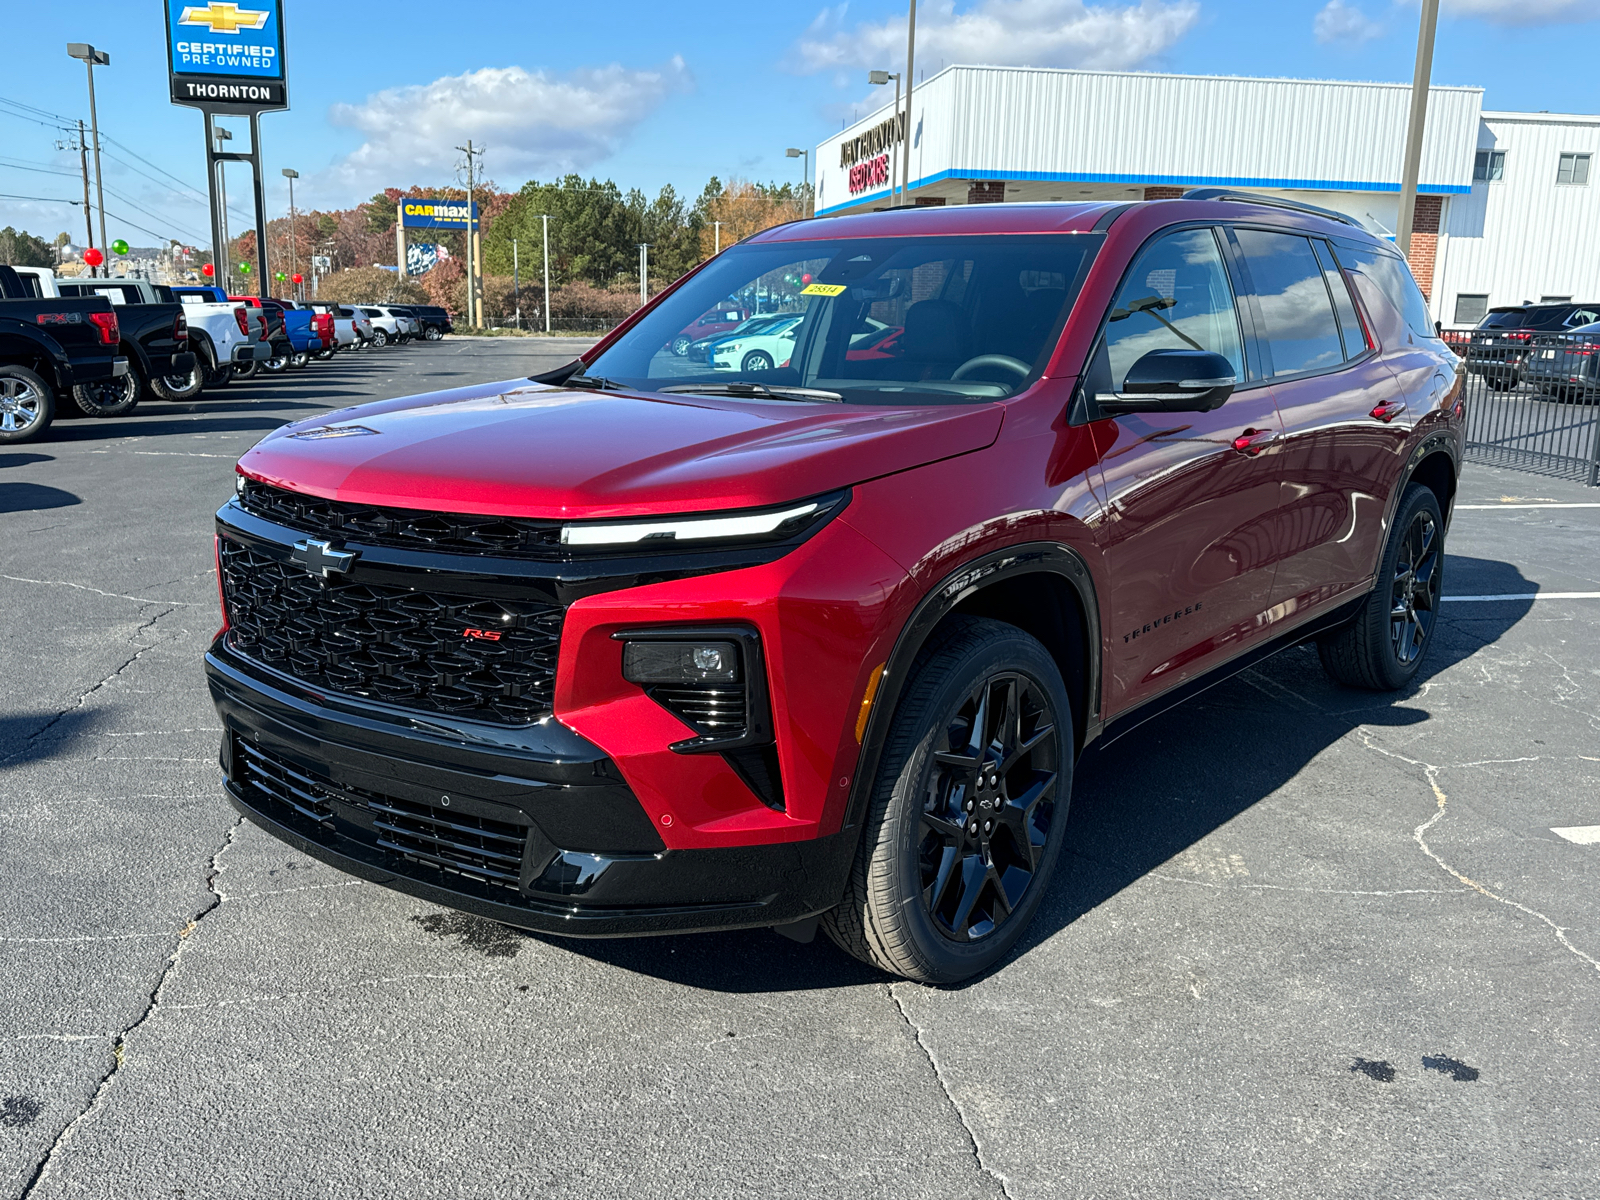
column 1308, row 943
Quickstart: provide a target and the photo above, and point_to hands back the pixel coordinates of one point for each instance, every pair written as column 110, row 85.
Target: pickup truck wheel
column 276, row 365
column 108, row 398
column 324, row 355
column 299, row 360
column 218, row 375
column 968, row 811
column 181, row 387
column 1382, row 648
column 246, row 370
column 27, row 405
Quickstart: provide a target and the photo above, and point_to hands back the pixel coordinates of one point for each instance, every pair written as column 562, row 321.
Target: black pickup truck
column 155, row 338
column 47, row 349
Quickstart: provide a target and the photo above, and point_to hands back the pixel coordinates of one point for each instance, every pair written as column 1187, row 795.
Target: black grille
column 463, row 843
column 456, row 533
column 439, row 651
column 714, row 711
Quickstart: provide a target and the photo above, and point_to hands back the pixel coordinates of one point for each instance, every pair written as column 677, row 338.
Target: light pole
column 93, row 58
column 291, row 175
column 805, row 170
column 516, row 281
column 472, row 298
column 911, row 67
column 222, row 256
column 716, row 231
column 545, row 217
column 878, row 79
column 1414, row 129
column 644, row 271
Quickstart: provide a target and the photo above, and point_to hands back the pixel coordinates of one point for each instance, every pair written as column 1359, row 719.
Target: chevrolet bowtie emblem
column 223, row 18
column 316, row 556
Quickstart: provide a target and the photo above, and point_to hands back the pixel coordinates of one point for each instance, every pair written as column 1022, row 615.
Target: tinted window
column 1302, row 332
column 1510, row 319
column 1176, row 297
column 1355, row 337
column 1394, row 280
column 1581, row 316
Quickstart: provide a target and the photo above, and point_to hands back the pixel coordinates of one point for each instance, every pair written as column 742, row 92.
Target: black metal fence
column 1533, row 401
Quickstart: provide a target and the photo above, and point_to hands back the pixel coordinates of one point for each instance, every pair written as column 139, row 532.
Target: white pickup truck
column 220, row 333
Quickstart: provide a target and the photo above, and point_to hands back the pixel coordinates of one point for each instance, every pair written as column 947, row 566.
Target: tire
column 299, row 360
column 380, row 337
column 939, row 900
column 218, row 375
column 27, row 405
column 110, row 398
column 1382, row 648
column 182, row 387
column 756, row 360
column 323, row 355
column 433, row 333
column 680, row 345
column 247, row 370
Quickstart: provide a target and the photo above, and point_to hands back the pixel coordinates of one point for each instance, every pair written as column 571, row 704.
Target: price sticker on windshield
column 823, row 289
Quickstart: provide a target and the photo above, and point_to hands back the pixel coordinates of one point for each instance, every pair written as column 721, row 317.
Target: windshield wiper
column 595, row 382
column 744, row 387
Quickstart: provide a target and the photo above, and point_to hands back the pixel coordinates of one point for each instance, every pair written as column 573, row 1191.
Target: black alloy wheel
column 1384, row 644
column 27, row 405
column 247, row 370
column 756, row 360
column 968, row 809
column 680, row 345
column 324, row 355
column 107, row 397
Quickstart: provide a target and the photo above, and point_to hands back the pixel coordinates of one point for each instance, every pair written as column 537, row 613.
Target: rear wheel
column 108, row 397
column 299, row 360
column 27, row 405
column 433, row 333
column 1382, row 648
column 380, row 337
column 324, row 355
column 968, row 810
column 247, row 370
column 181, row 387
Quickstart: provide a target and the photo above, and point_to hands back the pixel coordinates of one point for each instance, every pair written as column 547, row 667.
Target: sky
column 650, row 94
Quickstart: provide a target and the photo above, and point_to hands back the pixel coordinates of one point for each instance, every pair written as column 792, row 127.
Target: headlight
column 757, row 526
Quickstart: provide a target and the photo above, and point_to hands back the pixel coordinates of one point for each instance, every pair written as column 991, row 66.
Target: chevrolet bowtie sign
column 227, row 57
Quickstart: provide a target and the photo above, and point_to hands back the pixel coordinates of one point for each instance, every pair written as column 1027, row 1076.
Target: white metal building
column 1506, row 209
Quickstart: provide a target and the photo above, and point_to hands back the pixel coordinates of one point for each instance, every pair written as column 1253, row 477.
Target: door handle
column 1254, row 441
column 1388, row 410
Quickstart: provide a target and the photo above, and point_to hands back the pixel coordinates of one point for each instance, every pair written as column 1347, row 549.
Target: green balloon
column 119, row 246
column 280, row 277
column 244, row 268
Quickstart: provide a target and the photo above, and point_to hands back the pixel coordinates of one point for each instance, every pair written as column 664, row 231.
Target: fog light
column 680, row 662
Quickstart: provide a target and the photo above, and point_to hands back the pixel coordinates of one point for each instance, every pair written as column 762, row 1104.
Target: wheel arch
column 1436, row 471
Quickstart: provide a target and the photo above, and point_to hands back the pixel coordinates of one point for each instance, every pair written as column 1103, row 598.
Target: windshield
column 925, row 320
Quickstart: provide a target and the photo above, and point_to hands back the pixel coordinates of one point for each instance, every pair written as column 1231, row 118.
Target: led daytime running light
column 688, row 529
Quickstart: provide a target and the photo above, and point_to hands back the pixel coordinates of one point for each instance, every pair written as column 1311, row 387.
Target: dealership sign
column 875, row 141
column 870, row 174
column 416, row 213
column 227, row 57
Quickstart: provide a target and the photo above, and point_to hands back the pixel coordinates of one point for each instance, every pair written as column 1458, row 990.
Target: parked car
column 761, row 349
column 433, row 322
column 722, row 319
column 1566, row 365
column 385, row 325
column 155, row 340
column 613, row 652
column 49, row 347
column 1499, row 345
column 700, row 350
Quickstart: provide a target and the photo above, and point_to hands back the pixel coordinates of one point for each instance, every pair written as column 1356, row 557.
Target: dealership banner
column 416, row 213
column 422, row 257
column 227, row 57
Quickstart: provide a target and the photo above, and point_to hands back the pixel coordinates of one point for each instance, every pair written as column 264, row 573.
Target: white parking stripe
column 1485, row 507
column 1529, row 596
column 1583, row 835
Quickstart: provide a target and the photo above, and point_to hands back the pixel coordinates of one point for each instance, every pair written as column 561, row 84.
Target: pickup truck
column 48, row 347
column 155, row 340
column 231, row 336
column 295, row 337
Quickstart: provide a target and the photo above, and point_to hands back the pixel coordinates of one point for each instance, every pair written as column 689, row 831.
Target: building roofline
column 1543, row 118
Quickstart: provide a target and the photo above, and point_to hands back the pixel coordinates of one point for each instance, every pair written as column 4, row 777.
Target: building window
column 1470, row 308
column 1489, row 166
column 1574, row 169
column 1555, row 299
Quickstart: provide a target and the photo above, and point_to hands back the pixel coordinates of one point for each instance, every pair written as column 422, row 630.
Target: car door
column 1345, row 419
column 1187, row 539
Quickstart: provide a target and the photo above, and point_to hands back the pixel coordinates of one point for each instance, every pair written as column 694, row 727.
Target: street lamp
column 805, row 170
column 91, row 59
column 291, row 175
column 221, row 254
column 878, row 79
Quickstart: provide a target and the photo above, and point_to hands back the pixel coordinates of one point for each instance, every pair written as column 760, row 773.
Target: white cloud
column 1523, row 12
column 532, row 123
column 1037, row 33
column 1340, row 22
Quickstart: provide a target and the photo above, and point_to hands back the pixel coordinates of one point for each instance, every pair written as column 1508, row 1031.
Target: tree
column 744, row 208
column 19, row 248
column 370, row 285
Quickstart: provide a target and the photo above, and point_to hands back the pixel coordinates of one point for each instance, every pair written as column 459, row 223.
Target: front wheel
column 1382, row 648
column 968, row 809
column 27, row 405
column 680, row 345
column 108, row 397
column 756, row 360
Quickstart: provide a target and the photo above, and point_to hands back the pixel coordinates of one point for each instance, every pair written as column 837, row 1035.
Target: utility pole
column 911, row 67
column 91, row 59
column 644, row 271
column 472, row 283
column 716, row 231
column 291, row 175
column 516, row 281
column 88, row 209
column 1416, row 126
column 545, row 217
column 878, row 79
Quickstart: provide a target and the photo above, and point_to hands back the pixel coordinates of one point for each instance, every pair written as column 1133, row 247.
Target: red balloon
column 93, row 257
column 806, row 278
column 297, row 279
column 208, row 270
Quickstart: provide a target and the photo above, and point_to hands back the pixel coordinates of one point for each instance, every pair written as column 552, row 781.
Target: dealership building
column 1508, row 206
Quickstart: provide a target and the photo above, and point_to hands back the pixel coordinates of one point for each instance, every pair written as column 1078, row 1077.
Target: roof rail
column 1216, row 193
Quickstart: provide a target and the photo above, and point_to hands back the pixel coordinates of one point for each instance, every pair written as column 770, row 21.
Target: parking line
column 1528, row 596
column 1486, row 507
column 1583, row 835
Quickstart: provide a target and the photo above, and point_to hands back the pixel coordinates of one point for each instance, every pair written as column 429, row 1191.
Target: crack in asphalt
column 120, row 1040
column 83, row 587
column 79, row 702
column 944, row 1086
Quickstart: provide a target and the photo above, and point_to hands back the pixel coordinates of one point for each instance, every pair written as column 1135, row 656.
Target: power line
column 13, row 165
column 41, row 199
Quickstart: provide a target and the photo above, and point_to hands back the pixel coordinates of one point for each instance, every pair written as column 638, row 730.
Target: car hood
column 521, row 449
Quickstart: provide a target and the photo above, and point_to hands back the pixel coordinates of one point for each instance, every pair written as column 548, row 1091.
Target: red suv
column 635, row 647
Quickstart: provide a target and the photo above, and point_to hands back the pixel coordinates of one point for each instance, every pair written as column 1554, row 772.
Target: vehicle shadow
column 29, row 497
column 32, row 737
column 1138, row 801
column 23, row 459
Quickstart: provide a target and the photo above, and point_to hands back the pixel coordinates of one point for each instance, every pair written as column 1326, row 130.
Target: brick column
column 1425, row 241
column 1162, row 192
column 982, row 192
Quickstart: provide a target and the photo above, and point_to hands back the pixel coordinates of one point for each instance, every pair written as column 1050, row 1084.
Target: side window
column 1394, row 279
column 1176, row 297
column 1355, row 337
column 1302, row 333
column 1581, row 316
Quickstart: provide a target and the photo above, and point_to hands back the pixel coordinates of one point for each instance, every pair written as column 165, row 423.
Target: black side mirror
column 1171, row 381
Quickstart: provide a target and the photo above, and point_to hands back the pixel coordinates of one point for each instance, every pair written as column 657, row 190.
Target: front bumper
column 591, row 863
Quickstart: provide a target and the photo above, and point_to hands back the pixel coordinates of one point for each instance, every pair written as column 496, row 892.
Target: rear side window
column 1394, row 280
column 1302, row 332
column 1176, row 297
column 1504, row 320
column 1355, row 337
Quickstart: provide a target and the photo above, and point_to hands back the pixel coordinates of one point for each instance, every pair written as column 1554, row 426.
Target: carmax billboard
column 416, row 213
